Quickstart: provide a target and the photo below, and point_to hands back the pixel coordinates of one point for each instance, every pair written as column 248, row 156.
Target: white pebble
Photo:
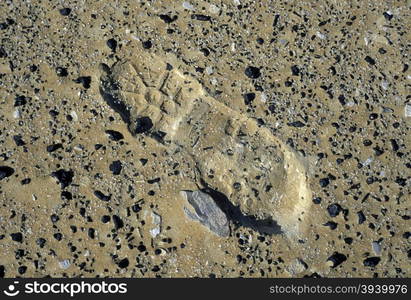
column 384, row 84
column 73, row 114
column 64, row 264
column 16, row 114
column 214, row 9
column 263, row 97
column 320, row 35
column 376, row 247
column 407, row 110
column 188, row 5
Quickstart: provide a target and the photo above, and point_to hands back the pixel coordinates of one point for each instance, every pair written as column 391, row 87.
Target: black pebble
column 361, row 217
column 371, row 261
column 324, row 182
column 252, row 72
column 112, row 44
column 297, row 124
column 115, row 135
column 105, row 219
column 348, row 240
column 54, row 218
column 20, row 101
column 331, row 224
column 54, row 147
column 64, row 177
column 143, row 124
column 22, row 270
column 58, row 236
column 141, row 248
column 18, row 140
column 136, row 207
column 155, row 180
column 61, row 72
column 147, row 44
column 65, row 195
column 101, row 196
column 84, row 80
column 370, row 60
column 388, row 16
column 205, row 51
column 317, row 200
column 115, row 167
column 199, row 17
column 17, row 237
column 91, row 233
column 118, row 223
column 295, row 70
column 167, row 19
column 25, row 181
column 41, row 242
column 5, row 171
column 334, row 209
column 65, row 11
column 248, row 98
column 337, row 259
column 3, row 53
column 123, row 263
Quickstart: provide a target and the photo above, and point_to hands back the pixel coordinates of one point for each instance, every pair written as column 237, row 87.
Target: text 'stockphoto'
column 249, row 148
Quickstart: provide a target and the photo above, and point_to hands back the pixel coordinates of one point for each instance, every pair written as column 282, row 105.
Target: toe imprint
column 245, row 162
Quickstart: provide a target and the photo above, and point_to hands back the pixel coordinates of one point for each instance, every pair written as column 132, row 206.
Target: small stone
column 156, row 220
column 371, row 261
column 20, row 101
column 17, row 237
column 361, row 217
column 248, row 98
column 115, row 167
column 376, row 247
column 199, row 17
column 123, row 263
column 64, row 177
column 369, row 60
column 324, row 182
column 65, row 11
column 297, row 124
column 147, row 44
column 337, row 259
column 54, row 147
column 114, row 135
column 188, row 6
column 296, row 267
column 201, row 207
column 167, row 19
column 295, row 70
column 64, row 264
column 112, row 44
column 84, row 80
column 118, row 222
column 252, row 72
column 334, row 209
column 101, row 196
column 5, row 171
column 407, row 110
column 61, row 72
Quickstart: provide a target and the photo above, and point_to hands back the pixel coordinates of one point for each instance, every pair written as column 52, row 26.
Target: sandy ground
column 295, row 111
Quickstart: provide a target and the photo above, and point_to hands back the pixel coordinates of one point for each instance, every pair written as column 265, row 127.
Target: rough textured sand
column 293, row 116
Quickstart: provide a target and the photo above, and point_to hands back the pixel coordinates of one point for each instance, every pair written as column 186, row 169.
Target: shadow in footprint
column 233, row 213
column 108, row 91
